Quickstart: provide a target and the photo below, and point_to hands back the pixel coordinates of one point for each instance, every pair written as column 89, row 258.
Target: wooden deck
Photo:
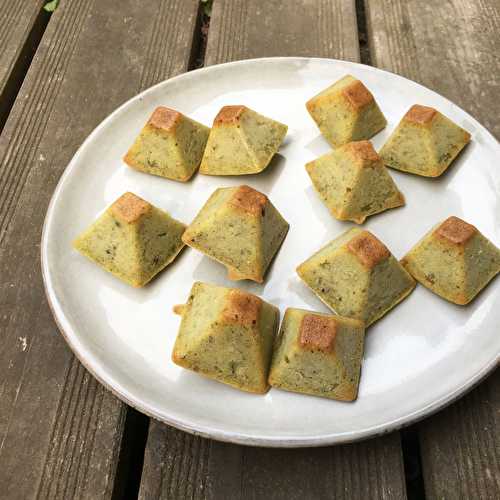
column 62, row 435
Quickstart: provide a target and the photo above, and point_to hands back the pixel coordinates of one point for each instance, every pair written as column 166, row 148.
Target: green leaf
column 51, row 6
column 207, row 7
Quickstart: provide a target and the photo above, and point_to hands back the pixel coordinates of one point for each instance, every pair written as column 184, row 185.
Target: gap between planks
column 75, row 452
column 364, row 48
column 22, row 65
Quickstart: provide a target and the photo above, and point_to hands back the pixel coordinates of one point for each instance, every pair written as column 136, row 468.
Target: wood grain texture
column 178, row 465
column 452, row 47
column 244, row 29
column 17, row 19
column 60, row 431
column 461, row 447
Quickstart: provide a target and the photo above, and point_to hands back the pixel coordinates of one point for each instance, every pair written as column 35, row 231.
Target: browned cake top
column 164, row 118
column 357, row 94
column 229, row 114
column 130, row 208
column 249, row 200
column 455, row 230
column 241, row 308
column 362, row 150
column 318, row 332
column 420, row 114
column 368, row 249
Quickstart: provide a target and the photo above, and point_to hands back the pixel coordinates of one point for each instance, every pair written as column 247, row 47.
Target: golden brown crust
column 420, row 115
column 164, row 118
column 311, row 104
column 347, row 392
column 179, row 309
column 467, row 137
column 130, row 160
column 317, row 332
column 362, row 150
column 234, row 275
column 229, row 114
column 241, row 308
column 249, row 200
column 455, row 230
column 130, row 208
column 368, row 249
column 357, row 94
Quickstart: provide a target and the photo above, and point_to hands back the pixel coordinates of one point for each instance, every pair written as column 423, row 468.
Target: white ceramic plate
column 419, row 357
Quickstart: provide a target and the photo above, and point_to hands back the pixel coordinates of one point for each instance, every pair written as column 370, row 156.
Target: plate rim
column 111, row 384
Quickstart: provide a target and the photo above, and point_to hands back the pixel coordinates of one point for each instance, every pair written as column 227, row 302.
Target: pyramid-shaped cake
column 170, row 145
column 425, row 142
column 454, row 260
column 353, row 182
column 346, row 111
column 241, row 142
column 132, row 239
column 240, row 228
column 227, row 335
column 318, row 354
column 357, row 276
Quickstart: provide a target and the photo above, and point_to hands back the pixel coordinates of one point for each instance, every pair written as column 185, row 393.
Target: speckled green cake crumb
column 170, row 145
column 241, row 142
column 132, row 239
column 353, row 182
column 356, row 276
column 240, row 228
column 227, row 335
column 454, row 260
column 346, row 111
column 318, row 354
column 425, row 142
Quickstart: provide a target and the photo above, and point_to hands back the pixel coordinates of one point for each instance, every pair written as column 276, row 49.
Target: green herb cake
column 357, row 276
column 170, row 145
column 346, row 111
column 318, row 354
column 241, row 142
column 454, row 260
column 227, row 335
column 424, row 143
column 240, row 228
column 353, row 182
column 132, row 239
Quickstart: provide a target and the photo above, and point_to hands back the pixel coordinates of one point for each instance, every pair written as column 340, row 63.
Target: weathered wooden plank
column 453, row 48
column 461, row 448
column 20, row 22
column 177, row 465
column 244, row 29
column 60, row 431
